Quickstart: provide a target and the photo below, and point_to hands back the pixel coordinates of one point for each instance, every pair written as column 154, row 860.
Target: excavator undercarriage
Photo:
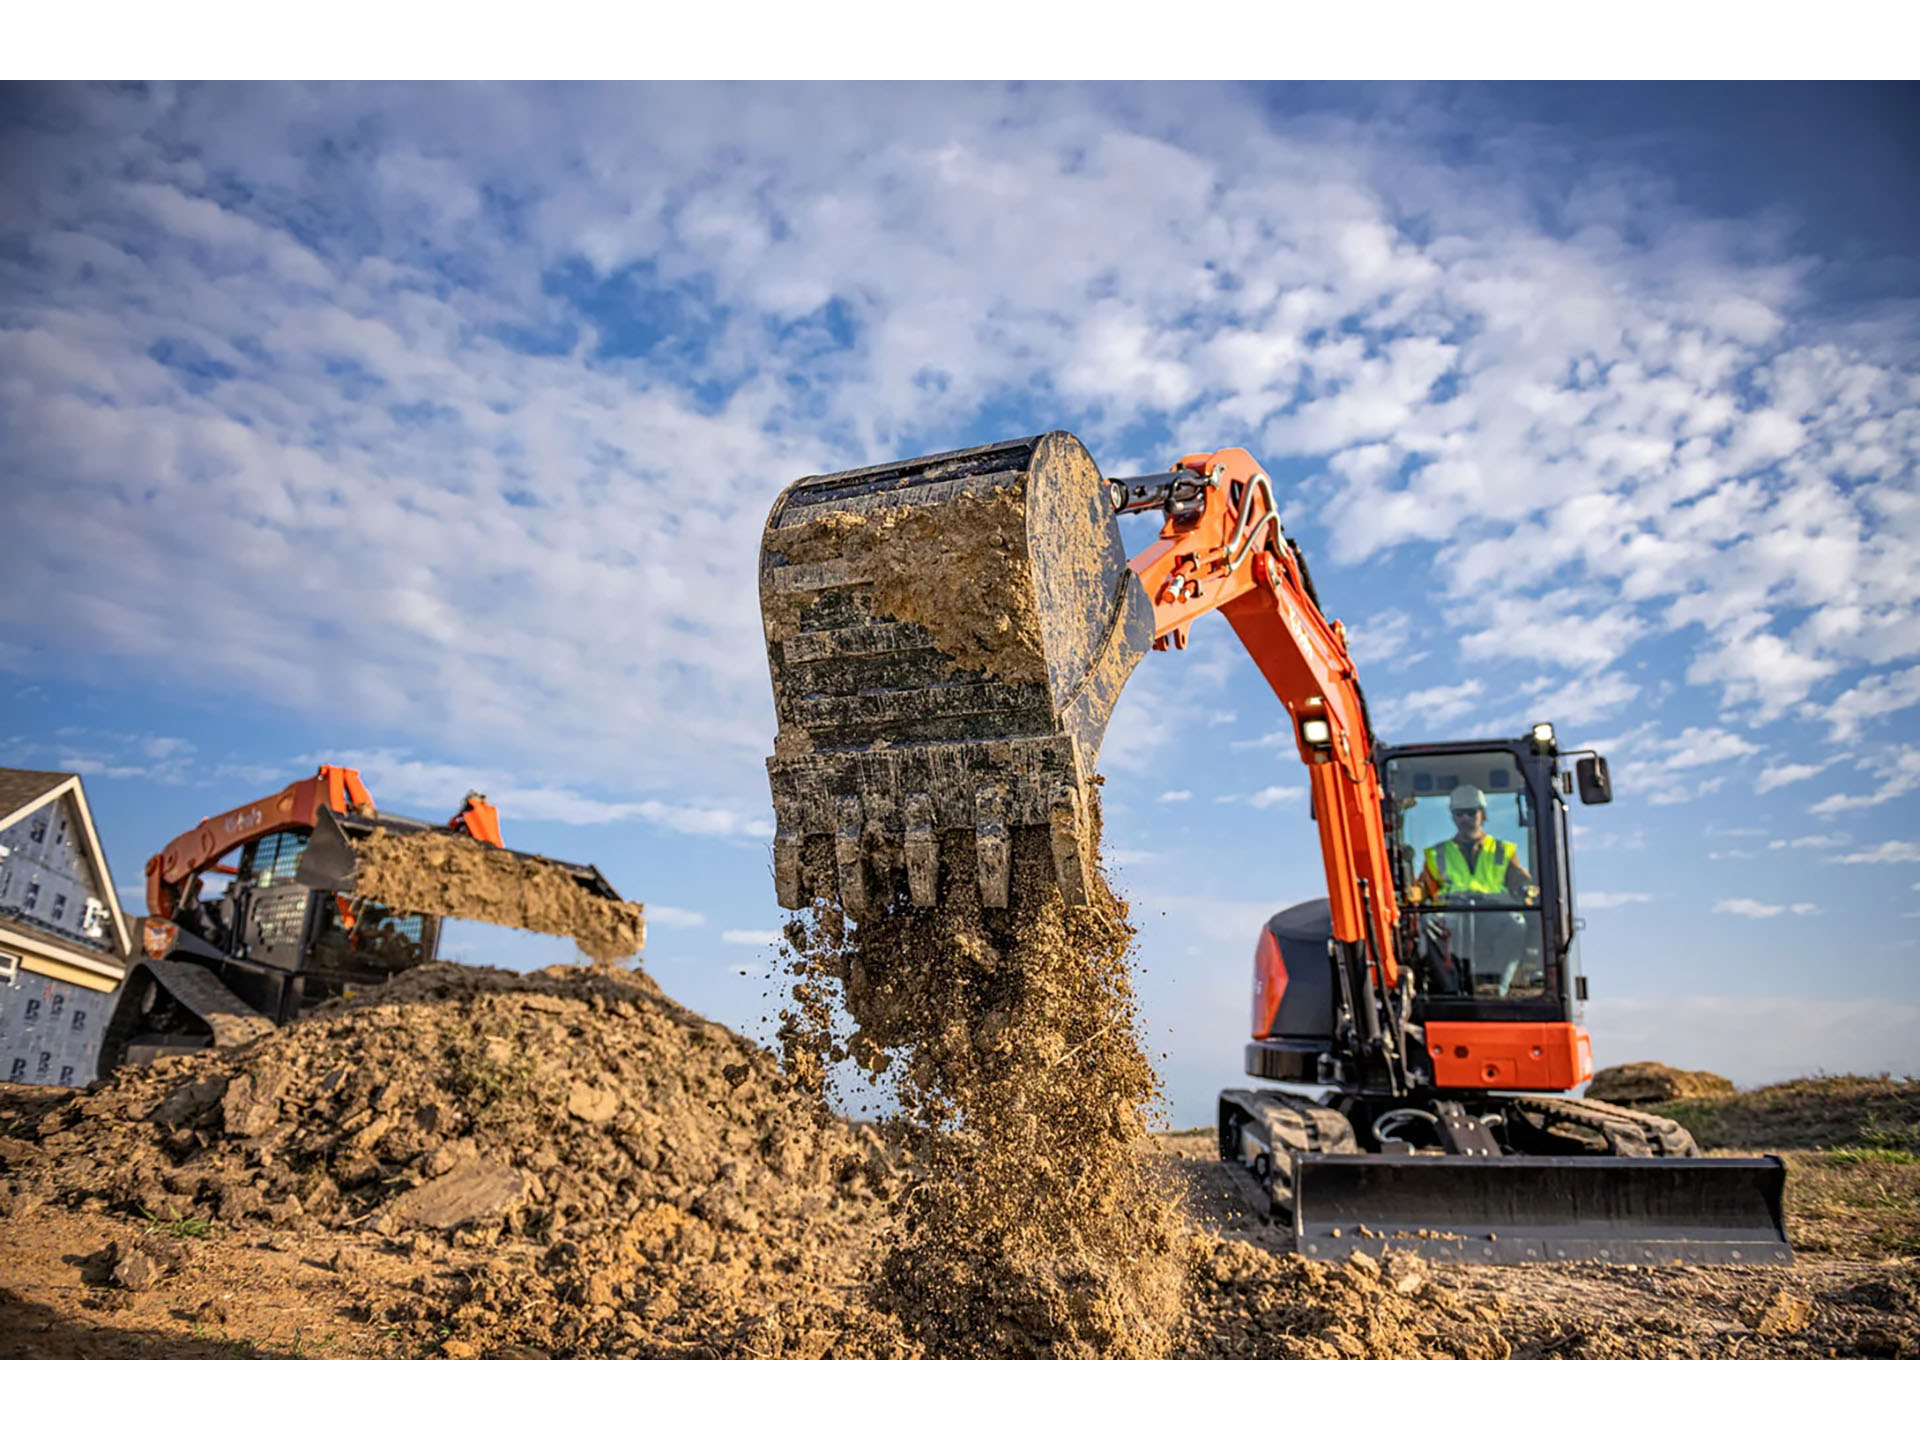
column 947, row 638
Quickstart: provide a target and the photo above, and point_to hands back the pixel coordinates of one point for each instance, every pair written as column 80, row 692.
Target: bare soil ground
column 568, row 1163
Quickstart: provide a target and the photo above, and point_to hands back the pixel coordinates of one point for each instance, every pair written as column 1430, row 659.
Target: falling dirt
column 1033, row 1224
column 959, row 569
column 436, row 874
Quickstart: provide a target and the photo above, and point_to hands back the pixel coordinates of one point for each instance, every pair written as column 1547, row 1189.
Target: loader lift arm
column 1223, row 548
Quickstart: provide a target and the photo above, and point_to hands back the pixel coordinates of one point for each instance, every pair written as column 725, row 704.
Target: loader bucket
column 947, row 637
column 1526, row 1209
column 431, row 870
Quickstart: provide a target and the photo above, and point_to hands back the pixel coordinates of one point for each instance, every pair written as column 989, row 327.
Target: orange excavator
column 1425, row 1012
column 287, row 931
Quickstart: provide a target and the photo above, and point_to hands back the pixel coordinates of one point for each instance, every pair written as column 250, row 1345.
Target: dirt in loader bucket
column 947, row 637
column 434, row 873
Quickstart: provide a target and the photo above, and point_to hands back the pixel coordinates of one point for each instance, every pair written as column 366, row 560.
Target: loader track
column 1621, row 1130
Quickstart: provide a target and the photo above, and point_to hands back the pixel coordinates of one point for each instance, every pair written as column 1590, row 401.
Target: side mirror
column 1596, row 787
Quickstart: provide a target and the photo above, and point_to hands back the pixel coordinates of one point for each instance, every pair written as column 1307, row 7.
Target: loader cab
column 284, row 946
column 1494, row 938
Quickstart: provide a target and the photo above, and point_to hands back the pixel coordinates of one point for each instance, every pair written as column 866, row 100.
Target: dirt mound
column 580, row 1167
column 1252, row 1304
column 1647, row 1082
column 1033, row 1225
column 438, row 874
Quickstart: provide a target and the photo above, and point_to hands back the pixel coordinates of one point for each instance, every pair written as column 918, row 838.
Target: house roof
column 24, row 791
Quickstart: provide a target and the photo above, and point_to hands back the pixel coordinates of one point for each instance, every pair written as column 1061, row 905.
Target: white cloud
column 1791, row 773
column 1899, row 771
column 1169, row 797
column 1611, row 899
column 1661, row 768
column 1273, row 795
column 1873, row 697
column 437, row 787
column 1429, row 709
column 672, row 917
column 1762, row 910
column 1888, row 852
column 750, row 937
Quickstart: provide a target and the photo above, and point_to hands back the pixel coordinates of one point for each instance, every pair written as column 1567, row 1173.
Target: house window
column 37, row 831
column 60, row 835
column 59, row 905
column 9, row 968
column 33, row 896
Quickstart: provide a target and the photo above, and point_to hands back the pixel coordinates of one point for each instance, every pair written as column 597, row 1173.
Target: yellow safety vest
column 1447, row 863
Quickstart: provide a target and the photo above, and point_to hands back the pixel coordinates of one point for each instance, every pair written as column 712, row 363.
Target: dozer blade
column 1526, row 1209
column 947, row 638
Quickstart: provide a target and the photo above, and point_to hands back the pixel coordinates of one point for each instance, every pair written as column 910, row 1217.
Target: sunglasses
column 1465, row 814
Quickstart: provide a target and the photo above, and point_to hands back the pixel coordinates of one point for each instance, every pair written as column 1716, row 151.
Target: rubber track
column 1627, row 1132
column 1294, row 1125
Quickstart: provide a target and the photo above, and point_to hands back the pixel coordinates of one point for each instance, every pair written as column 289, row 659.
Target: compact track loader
column 290, row 928
column 947, row 638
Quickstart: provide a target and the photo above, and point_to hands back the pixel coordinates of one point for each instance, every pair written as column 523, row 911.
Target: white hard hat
column 1466, row 797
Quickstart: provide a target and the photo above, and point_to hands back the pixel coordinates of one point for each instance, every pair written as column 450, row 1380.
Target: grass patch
column 180, row 1227
column 1826, row 1112
column 1857, row 1201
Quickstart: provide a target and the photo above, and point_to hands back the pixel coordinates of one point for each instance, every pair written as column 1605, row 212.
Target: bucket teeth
column 991, row 844
column 923, row 852
column 1067, row 830
column 847, row 857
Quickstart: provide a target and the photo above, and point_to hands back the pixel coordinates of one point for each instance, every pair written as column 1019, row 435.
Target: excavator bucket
column 947, row 638
column 1525, row 1209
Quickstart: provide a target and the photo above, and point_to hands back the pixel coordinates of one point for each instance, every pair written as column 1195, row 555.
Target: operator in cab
column 1472, row 862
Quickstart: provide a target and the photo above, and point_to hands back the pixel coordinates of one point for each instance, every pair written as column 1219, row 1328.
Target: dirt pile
column 575, row 1165
column 1250, row 1303
column 1647, row 1082
column 1033, row 1225
column 437, row 874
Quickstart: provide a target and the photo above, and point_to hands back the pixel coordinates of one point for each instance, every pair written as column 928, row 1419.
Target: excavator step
column 1530, row 1209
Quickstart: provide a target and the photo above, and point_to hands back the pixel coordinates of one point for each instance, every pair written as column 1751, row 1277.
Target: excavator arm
column 1222, row 548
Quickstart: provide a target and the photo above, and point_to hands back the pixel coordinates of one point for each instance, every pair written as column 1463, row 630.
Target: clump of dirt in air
column 437, row 874
column 1033, row 1224
column 960, row 569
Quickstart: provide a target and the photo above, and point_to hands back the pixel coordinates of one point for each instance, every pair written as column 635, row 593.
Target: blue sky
column 432, row 429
